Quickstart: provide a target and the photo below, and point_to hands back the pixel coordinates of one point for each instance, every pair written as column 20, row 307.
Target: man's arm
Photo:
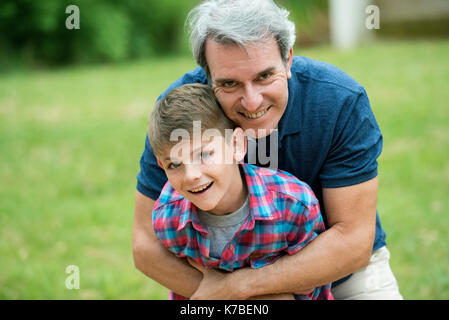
column 342, row 249
column 153, row 259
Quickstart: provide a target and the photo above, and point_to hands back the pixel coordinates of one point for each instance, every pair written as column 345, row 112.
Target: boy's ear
column 289, row 63
column 239, row 142
column 159, row 163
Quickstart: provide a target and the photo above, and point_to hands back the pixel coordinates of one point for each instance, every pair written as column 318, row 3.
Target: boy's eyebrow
column 267, row 70
column 196, row 150
column 193, row 151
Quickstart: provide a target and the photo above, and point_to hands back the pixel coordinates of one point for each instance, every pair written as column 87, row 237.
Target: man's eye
column 229, row 84
column 174, row 165
column 264, row 76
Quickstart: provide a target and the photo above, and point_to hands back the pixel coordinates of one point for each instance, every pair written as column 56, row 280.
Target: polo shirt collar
column 290, row 122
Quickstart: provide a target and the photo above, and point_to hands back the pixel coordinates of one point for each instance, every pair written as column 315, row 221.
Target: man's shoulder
column 285, row 186
column 324, row 75
column 196, row 75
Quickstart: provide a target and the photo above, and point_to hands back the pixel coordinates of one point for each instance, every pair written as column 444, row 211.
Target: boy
column 215, row 210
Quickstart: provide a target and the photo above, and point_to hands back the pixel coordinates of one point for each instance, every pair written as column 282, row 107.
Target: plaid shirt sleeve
column 306, row 224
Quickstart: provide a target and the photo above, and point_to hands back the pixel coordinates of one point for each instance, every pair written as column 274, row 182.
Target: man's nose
column 252, row 98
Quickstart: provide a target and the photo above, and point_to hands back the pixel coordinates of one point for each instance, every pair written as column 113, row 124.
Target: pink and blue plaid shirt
column 284, row 217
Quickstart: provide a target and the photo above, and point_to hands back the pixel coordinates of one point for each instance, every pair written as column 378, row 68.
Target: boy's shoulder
column 280, row 184
column 170, row 197
column 171, row 212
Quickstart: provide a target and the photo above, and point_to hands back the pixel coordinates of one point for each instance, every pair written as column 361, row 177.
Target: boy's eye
column 173, row 165
column 206, row 154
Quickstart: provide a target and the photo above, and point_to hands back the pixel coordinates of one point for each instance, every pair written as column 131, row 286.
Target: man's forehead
column 225, row 59
column 258, row 73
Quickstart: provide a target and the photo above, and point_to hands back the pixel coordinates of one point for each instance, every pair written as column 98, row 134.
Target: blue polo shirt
column 327, row 137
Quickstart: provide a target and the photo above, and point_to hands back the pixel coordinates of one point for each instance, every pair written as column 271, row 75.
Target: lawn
column 71, row 139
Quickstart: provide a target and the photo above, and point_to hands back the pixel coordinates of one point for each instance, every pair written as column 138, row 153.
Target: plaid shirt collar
column 260, row 201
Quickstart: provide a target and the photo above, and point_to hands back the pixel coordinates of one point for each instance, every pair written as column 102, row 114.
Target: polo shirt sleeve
column 151, row 178
column 356, row 144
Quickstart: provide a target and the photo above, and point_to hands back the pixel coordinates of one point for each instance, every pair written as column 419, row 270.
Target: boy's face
column 205, row 171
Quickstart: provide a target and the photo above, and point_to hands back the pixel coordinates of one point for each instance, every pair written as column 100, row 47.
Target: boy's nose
column 192, row 172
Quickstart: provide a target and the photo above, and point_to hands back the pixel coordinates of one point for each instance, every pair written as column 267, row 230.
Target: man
column 327, row 137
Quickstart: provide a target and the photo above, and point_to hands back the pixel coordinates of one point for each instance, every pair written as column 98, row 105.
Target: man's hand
column 215, row 286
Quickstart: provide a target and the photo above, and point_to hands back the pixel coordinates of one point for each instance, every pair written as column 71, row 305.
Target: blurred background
column 74, row 105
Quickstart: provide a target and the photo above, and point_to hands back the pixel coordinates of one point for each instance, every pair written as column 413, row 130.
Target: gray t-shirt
column 222, row 228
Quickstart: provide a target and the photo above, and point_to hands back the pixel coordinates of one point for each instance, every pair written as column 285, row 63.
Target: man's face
column 250, row 85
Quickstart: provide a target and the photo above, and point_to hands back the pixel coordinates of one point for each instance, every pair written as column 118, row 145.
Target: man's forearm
column 163, row 267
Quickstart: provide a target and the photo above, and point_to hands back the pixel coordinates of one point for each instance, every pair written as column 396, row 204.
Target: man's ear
column 239, row 143
column 289, row 63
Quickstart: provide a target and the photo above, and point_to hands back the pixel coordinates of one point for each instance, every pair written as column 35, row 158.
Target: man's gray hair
column 239, row 22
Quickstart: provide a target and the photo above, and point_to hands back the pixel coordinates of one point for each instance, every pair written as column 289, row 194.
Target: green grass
column 70, row 143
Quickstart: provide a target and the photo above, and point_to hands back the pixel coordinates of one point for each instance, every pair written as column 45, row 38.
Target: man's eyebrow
column 222, row 80
column 267, row 70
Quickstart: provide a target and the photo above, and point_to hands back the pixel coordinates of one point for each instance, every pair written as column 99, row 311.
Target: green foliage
column 35, row 32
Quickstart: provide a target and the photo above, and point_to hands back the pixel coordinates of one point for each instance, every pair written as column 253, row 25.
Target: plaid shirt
column 284, row 217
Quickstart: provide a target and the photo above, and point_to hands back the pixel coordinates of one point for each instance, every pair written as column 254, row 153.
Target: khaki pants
column 374, row 282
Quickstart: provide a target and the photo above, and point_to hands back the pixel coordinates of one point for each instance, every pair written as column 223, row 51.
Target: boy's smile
column 201, row 189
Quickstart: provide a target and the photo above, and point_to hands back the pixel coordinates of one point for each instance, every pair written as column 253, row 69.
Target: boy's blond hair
column 179, row 109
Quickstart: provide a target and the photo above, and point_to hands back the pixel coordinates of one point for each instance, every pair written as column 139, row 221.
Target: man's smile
column 255, row 115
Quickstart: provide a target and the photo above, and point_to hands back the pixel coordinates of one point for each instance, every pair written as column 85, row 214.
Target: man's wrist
column 240, row 284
